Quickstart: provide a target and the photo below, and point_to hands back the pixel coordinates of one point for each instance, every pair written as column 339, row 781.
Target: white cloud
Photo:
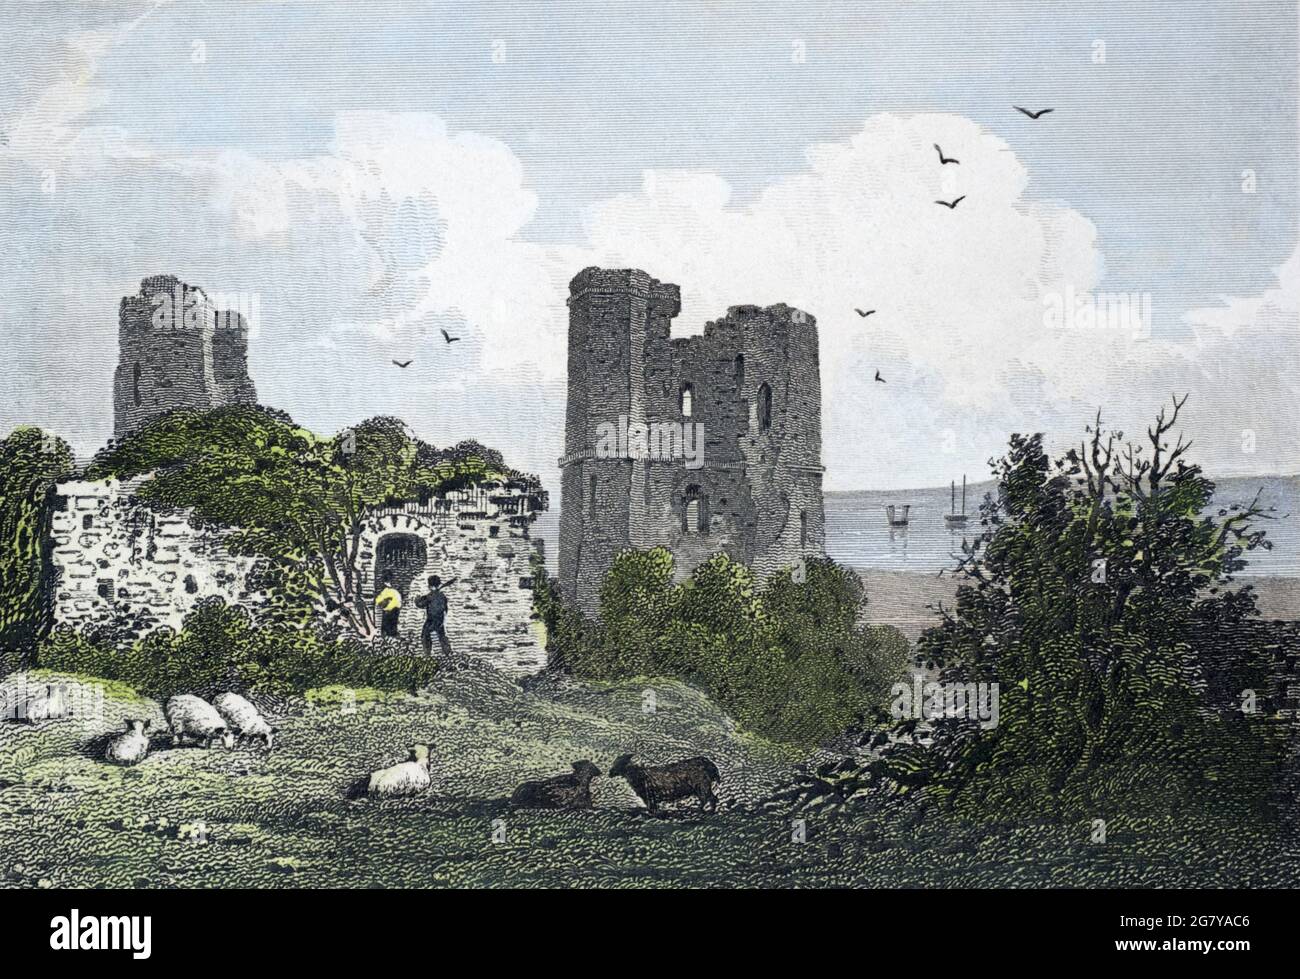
column 959, row 334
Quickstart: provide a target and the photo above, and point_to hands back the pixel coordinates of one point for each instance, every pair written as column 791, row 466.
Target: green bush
column 31, row 462
column 1096, row 597
column 788, row 661
column 220, row 648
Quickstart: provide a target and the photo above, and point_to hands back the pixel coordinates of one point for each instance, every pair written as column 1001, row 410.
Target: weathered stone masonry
column 751, row 379
column 118, row 561
column 177, row 350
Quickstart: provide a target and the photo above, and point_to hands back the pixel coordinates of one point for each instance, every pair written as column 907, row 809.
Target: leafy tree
column 297, row 500
column 1096, row 582
column 789, row 661
column 31, row 462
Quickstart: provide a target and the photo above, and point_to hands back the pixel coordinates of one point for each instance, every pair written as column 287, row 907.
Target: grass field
column 191, row 817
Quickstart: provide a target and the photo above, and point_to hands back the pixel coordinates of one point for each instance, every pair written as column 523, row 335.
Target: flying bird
column 953, row 205
column 1032, row 115
column 448, row 337
column 402, row 363
column 863, row 312
column 945, row 159
column 879, row 378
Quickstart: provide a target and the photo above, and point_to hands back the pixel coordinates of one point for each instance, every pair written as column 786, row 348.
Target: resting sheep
column 193, row 717
column 561, row 792
column 131, row 747
column 243, row 718
column 411, row 777
column 665, row 783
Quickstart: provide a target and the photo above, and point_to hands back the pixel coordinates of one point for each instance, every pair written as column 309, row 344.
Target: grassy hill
column 282, row 819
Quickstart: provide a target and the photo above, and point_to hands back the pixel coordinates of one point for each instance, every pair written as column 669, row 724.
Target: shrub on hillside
column 787, row 660
column 220, row 648
column 1095, row 597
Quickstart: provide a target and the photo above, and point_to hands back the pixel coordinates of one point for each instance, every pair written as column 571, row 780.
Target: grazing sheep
column 244, row 719
column 664, row 783
column 131, row 747
column 411, row 777
column 193, row 717
column 561, row 792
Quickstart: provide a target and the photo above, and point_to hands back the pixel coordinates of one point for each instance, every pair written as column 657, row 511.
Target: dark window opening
column 591, row 497
column 695, row 511
column 764, row 407
column 105, row 588
column 739, row 367
column 87, row 521
column 191, row 586
column 803, row 528
column 136, row 383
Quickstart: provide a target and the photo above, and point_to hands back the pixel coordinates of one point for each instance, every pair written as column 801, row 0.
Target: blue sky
column 214, row 170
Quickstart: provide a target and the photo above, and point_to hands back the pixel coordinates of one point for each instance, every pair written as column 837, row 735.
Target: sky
column 374, row 173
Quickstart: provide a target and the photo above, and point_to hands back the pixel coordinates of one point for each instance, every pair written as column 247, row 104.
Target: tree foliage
column 790, row 661
column 297, row 500
column 31, row 462
column 1097, row 583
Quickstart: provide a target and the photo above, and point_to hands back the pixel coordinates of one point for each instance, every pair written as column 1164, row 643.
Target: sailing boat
column 956, row 519
column 895, row 521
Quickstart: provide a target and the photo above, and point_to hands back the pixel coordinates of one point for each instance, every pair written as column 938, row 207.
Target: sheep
column 664, row 783
column 131, row 747
column 193, row 717
column 244, row 719
column 410, row 777
column 561, row 792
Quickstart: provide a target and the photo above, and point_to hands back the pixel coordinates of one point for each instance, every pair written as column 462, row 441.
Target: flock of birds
column 445, row 335
column 864, row 313
column 952, row 205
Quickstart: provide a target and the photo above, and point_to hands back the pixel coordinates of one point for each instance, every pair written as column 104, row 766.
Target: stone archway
column 405, row 555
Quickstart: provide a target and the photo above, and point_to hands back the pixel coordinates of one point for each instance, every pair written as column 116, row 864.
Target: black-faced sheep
column 131, row 747
column 666, row 783
column 561, row 792
column 193, row 717
column 244, row 720
column 410, row 777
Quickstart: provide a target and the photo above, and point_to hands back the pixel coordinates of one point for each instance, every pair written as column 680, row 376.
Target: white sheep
column 131, row 747
column 244, row 719
column 193, row 717
column 411, row 777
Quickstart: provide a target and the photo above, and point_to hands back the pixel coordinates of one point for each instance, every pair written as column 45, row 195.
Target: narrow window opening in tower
column 591, row 497
column 688, row 400
column 740, row 371
column 764, row 407
column 803, row 528
column 136, row 383
column 695, row 511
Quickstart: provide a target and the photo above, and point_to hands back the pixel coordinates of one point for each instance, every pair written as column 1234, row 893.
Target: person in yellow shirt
column 389, row 601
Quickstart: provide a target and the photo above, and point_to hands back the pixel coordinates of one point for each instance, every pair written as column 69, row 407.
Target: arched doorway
column 405, row 556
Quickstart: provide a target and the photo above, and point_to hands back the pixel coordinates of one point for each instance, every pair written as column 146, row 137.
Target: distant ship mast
column 956, row 519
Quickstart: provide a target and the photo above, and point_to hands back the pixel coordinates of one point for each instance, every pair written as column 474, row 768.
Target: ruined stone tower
column 750, row 385
column 177, row 350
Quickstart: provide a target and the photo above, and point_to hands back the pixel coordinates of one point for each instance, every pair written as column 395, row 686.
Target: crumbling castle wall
column 177, row 350
column 122, row 566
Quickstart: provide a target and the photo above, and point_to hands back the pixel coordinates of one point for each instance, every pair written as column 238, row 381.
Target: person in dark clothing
column 435, row 617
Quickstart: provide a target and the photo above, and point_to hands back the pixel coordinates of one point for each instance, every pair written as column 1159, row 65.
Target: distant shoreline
column 899, row 598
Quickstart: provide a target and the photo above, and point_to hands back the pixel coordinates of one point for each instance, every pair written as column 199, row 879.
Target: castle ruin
column 177, row 350
column 749, row 384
